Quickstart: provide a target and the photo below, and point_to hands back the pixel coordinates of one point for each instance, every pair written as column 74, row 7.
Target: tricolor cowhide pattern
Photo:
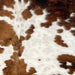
column 37, row 37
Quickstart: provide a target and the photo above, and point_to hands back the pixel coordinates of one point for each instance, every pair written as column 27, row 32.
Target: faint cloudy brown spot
column 39, row 59
column 29, row 32
column 1, row 50
column 6, row 13
column 59, row 41
column 6, row 32
column 57, row 74
column 26, row 14
column 63, row 59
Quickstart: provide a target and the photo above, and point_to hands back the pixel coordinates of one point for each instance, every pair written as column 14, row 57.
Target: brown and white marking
column 32, row 35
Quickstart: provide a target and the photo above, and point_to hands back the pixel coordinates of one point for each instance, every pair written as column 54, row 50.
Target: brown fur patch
column 1, row 50
column 8, row 3
column 73, row 32
column 6, row 13
column 38, row 10
column 63, row 59
column 59, row 41
column 60, row 30
column 16, row 66
column 29, row 32
column 26, row 14
column 6, row 33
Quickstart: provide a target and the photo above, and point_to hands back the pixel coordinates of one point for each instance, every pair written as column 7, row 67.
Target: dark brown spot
column 42, row 3
column 6, row 13
column 50, row 19
column 63, row 59
column 55, row 8
column 17, row 44
column 59, row 41
column 73, row 32
column 17, row 66
column 21, row 39
column 6, row 33
column 60, row 30
column 1, row 50
column 29, row 32
column 25, row 1
column 27, row 37
column 39, row 59
column 38, row 10
column 26, row 14
column 1, row 4
column 8, row 3
column 67, row 25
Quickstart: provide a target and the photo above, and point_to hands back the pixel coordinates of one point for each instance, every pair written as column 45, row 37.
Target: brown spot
column 27, row 37
column 6, row 13
column 38, row 11
column 60, row 30
column 6, row 42
column 17, row 66
column 1, row 4
column 8, row 3
column 67, row 25
column 25, row 1
column 73, row 32
column 63, row 59
column 40, row 3
column 6, row 33
column 39, row 59
column 55, row 8
column 59, row 41
column 1, row 50
column 50, row 18
column 29, row 32
column 26, row 14
column 8, row 36
column 17, row 44
column 21, row 39
column 20, row 51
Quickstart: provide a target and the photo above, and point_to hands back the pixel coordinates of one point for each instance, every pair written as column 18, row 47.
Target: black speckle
column 19, row 0
column 59, row 4
column 42, row 3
